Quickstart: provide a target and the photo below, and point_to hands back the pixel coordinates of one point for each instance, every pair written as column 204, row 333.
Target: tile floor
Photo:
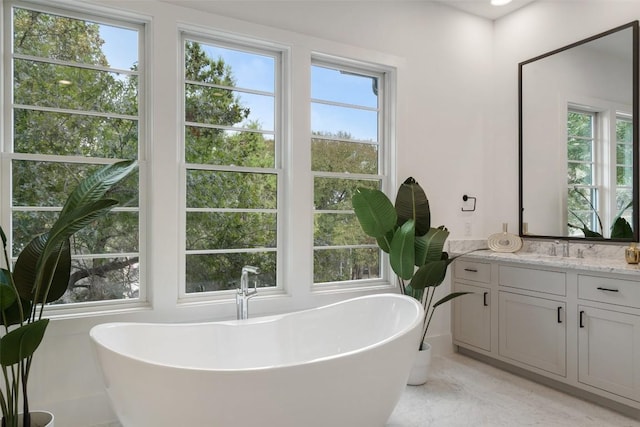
column 462, row 391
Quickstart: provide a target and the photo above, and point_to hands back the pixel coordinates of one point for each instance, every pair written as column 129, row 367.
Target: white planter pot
column 420, row 370
column 38, row 419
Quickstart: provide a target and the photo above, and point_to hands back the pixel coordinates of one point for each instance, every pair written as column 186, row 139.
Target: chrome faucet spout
column 243, row 293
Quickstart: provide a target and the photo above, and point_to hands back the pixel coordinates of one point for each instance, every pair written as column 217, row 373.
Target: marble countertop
column 592, row 264
column 607, row 259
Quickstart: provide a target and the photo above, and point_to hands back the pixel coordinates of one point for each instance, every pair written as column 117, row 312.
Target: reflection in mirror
column 579, row 139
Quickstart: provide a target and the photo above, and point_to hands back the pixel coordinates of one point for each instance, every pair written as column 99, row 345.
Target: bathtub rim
column 263, row 319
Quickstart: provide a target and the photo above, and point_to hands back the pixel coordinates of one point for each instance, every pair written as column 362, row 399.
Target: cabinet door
column 532, row 331
column 608, row 349
column 472, row 316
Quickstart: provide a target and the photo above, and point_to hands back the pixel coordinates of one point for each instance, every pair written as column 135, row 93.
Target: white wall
column 444, row 63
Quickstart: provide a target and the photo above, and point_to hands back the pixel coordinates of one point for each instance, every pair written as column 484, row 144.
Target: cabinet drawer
column 550, row 282
column 608, row 290
column 471, row 270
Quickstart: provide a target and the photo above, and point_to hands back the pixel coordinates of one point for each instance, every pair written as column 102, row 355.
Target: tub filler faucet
column 243, row 294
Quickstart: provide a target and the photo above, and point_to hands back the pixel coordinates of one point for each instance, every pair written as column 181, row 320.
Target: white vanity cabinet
column 609, row 335
column 532, row 331
column 532, row 317
column 472, row 324
column 571, row 325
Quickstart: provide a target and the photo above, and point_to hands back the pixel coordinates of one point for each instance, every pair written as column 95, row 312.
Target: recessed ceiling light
column 500, row 2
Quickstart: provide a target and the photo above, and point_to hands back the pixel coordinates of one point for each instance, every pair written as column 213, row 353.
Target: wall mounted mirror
column 579, row 139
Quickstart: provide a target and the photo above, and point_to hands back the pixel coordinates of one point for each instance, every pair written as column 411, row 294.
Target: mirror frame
column 635, row 126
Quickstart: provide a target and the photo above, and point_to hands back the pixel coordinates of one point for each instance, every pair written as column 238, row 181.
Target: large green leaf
column 430, row 246
column 384, row 242
column 402, row 254
column 374, row 211
column 7, row 294
column 14, row 314
column 412, row 203
column 621, row 229
column 94, row 187
column 430, row 274
column 22, row 342
column 57, row 268
column 77, row 219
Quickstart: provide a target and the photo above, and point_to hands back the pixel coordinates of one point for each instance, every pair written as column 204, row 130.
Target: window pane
column 343, row 122
column 624, row 130
column 224, row 107
column 346, row 157
column 60, row 86
column 581, row 203
column 223, row 147
column 101, row 279
column 67, row 39
column 207, row 189
column 335, row 265
column 75, row 135
column 344, row 87
column 26, row 225
column 624, row 196
column 219, row 272
column 249, row 70
column 580, row 173
column 235, row 230
column 624, row 175
column 335, row 194
column 49, row 184
column 333, row 229
column 580, row 124
column 580, row 150
column 624, row 154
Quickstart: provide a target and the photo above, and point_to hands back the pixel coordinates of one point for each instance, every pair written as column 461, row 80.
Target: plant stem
column 428, row 309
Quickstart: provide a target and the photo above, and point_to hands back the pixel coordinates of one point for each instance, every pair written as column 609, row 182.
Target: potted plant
column 415, row 248
column 40, row 276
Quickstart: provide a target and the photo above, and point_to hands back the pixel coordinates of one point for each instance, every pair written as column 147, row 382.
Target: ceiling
column 484, row 9
column 480, row 8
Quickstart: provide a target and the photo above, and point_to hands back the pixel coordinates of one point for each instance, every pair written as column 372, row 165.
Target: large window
column 231, row 150
column 624, row 167
column 75, row 103
column 347, row 148
column 600, row 170
column 582, row 201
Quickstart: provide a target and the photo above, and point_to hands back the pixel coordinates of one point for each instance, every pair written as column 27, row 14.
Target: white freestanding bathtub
column 341, row 365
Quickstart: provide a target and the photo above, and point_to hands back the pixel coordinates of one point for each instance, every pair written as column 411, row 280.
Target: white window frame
column 7, row 155
column 605, row 114
column 386, row 161
column 280, row 55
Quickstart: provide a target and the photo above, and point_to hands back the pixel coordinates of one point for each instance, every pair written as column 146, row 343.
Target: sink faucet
column 243, row 294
